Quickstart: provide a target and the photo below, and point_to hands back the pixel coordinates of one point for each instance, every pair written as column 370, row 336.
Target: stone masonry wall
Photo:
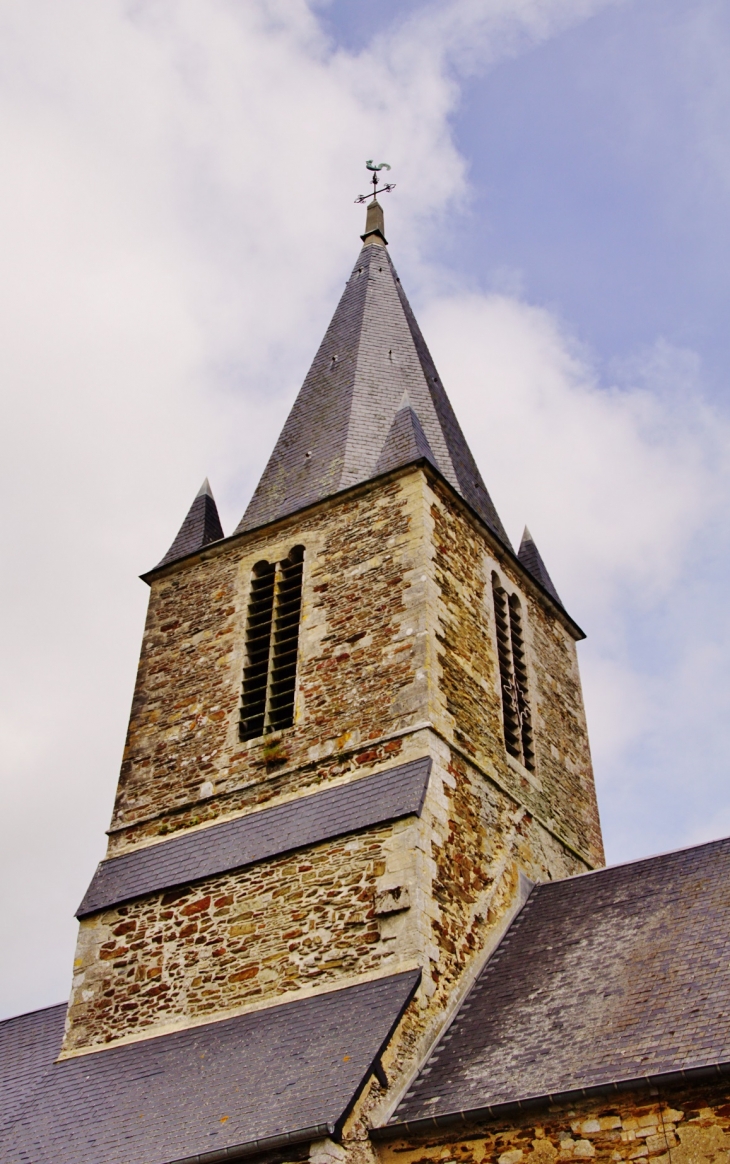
column 296, row 921
column 420, row 891
column 397, row 630
column 691, row 1126
column 560, row 792
column 480, row 843
column 358, row 680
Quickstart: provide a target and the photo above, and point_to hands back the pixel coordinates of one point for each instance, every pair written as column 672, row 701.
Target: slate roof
column 287, row 1073
column 529, row 556
column 28, row 1046
column 201, row 526
column 372, row 353
column 368, row 801
column 611, row 976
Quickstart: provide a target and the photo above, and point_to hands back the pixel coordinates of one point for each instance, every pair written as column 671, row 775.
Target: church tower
column 357, row 732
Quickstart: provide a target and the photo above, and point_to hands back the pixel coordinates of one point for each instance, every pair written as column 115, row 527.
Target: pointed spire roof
column 529, row 556
column 336, row 432
column 201, row 526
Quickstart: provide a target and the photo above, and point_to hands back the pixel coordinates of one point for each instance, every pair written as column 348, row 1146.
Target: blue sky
column 179, row 220
column 591, row 179
column 590, row 176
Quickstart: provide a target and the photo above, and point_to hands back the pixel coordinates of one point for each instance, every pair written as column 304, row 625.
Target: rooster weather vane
column 376, row 189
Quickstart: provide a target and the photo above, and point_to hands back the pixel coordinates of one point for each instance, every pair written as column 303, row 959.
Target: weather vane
column 376, row 189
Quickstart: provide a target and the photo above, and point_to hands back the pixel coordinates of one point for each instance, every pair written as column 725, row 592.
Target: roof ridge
column 11, row 1018
column 406, row 442
column 386, row 311
column 632, row 861
column 462, row 1009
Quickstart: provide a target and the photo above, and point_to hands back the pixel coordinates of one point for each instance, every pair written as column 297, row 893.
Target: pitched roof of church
column 611, row 976
column 28, row 1045
column 348, row 424
column 285, row 1074
column 371, row 800
column 201, row 527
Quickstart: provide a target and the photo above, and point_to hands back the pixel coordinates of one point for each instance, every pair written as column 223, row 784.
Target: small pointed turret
column 336, row 432
column 405, row 443
column 529, row 556
column 201, row 526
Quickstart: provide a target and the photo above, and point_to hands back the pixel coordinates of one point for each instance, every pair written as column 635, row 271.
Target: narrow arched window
column 516, row 715
column 272, row 646
column 258, row 649
column 519, row 666
column 285, row 645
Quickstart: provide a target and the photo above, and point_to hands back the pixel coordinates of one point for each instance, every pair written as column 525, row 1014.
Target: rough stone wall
column 560, row 792
column 420, row 891
column 488, row 842
column 397, row 630
column 296, row 921
column 358, row 680
column 687, row 1127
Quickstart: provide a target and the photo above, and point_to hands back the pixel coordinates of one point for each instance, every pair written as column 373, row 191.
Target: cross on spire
column 371, row 165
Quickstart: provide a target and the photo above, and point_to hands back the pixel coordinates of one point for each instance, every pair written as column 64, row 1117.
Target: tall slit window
column 272, row 646
column 513, row 676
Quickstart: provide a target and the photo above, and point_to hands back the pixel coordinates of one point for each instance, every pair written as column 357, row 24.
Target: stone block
column 393, row 900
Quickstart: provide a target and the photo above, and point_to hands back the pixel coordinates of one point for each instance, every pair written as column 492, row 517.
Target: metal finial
column 376, row 189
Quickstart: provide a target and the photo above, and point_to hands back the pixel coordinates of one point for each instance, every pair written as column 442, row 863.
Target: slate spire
column 529, row 556
column 335, row 435
column 201, row 526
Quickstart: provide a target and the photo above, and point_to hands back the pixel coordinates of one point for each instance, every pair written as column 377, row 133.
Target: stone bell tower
column 357, row 727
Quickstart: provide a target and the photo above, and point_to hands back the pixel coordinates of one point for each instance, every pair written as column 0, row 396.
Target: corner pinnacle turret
column 201, row 527
column 530, row 557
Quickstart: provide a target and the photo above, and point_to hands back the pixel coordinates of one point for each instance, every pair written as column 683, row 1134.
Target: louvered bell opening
column 510, row 711
column 286, row 642
column 520, row 669
column 258, row 649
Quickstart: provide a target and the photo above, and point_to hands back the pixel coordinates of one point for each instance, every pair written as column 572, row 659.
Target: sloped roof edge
column 498, row 1110
column 366, row 802
column 267, row 1144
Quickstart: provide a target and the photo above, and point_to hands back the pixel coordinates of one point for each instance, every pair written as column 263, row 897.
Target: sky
column 178, row 221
